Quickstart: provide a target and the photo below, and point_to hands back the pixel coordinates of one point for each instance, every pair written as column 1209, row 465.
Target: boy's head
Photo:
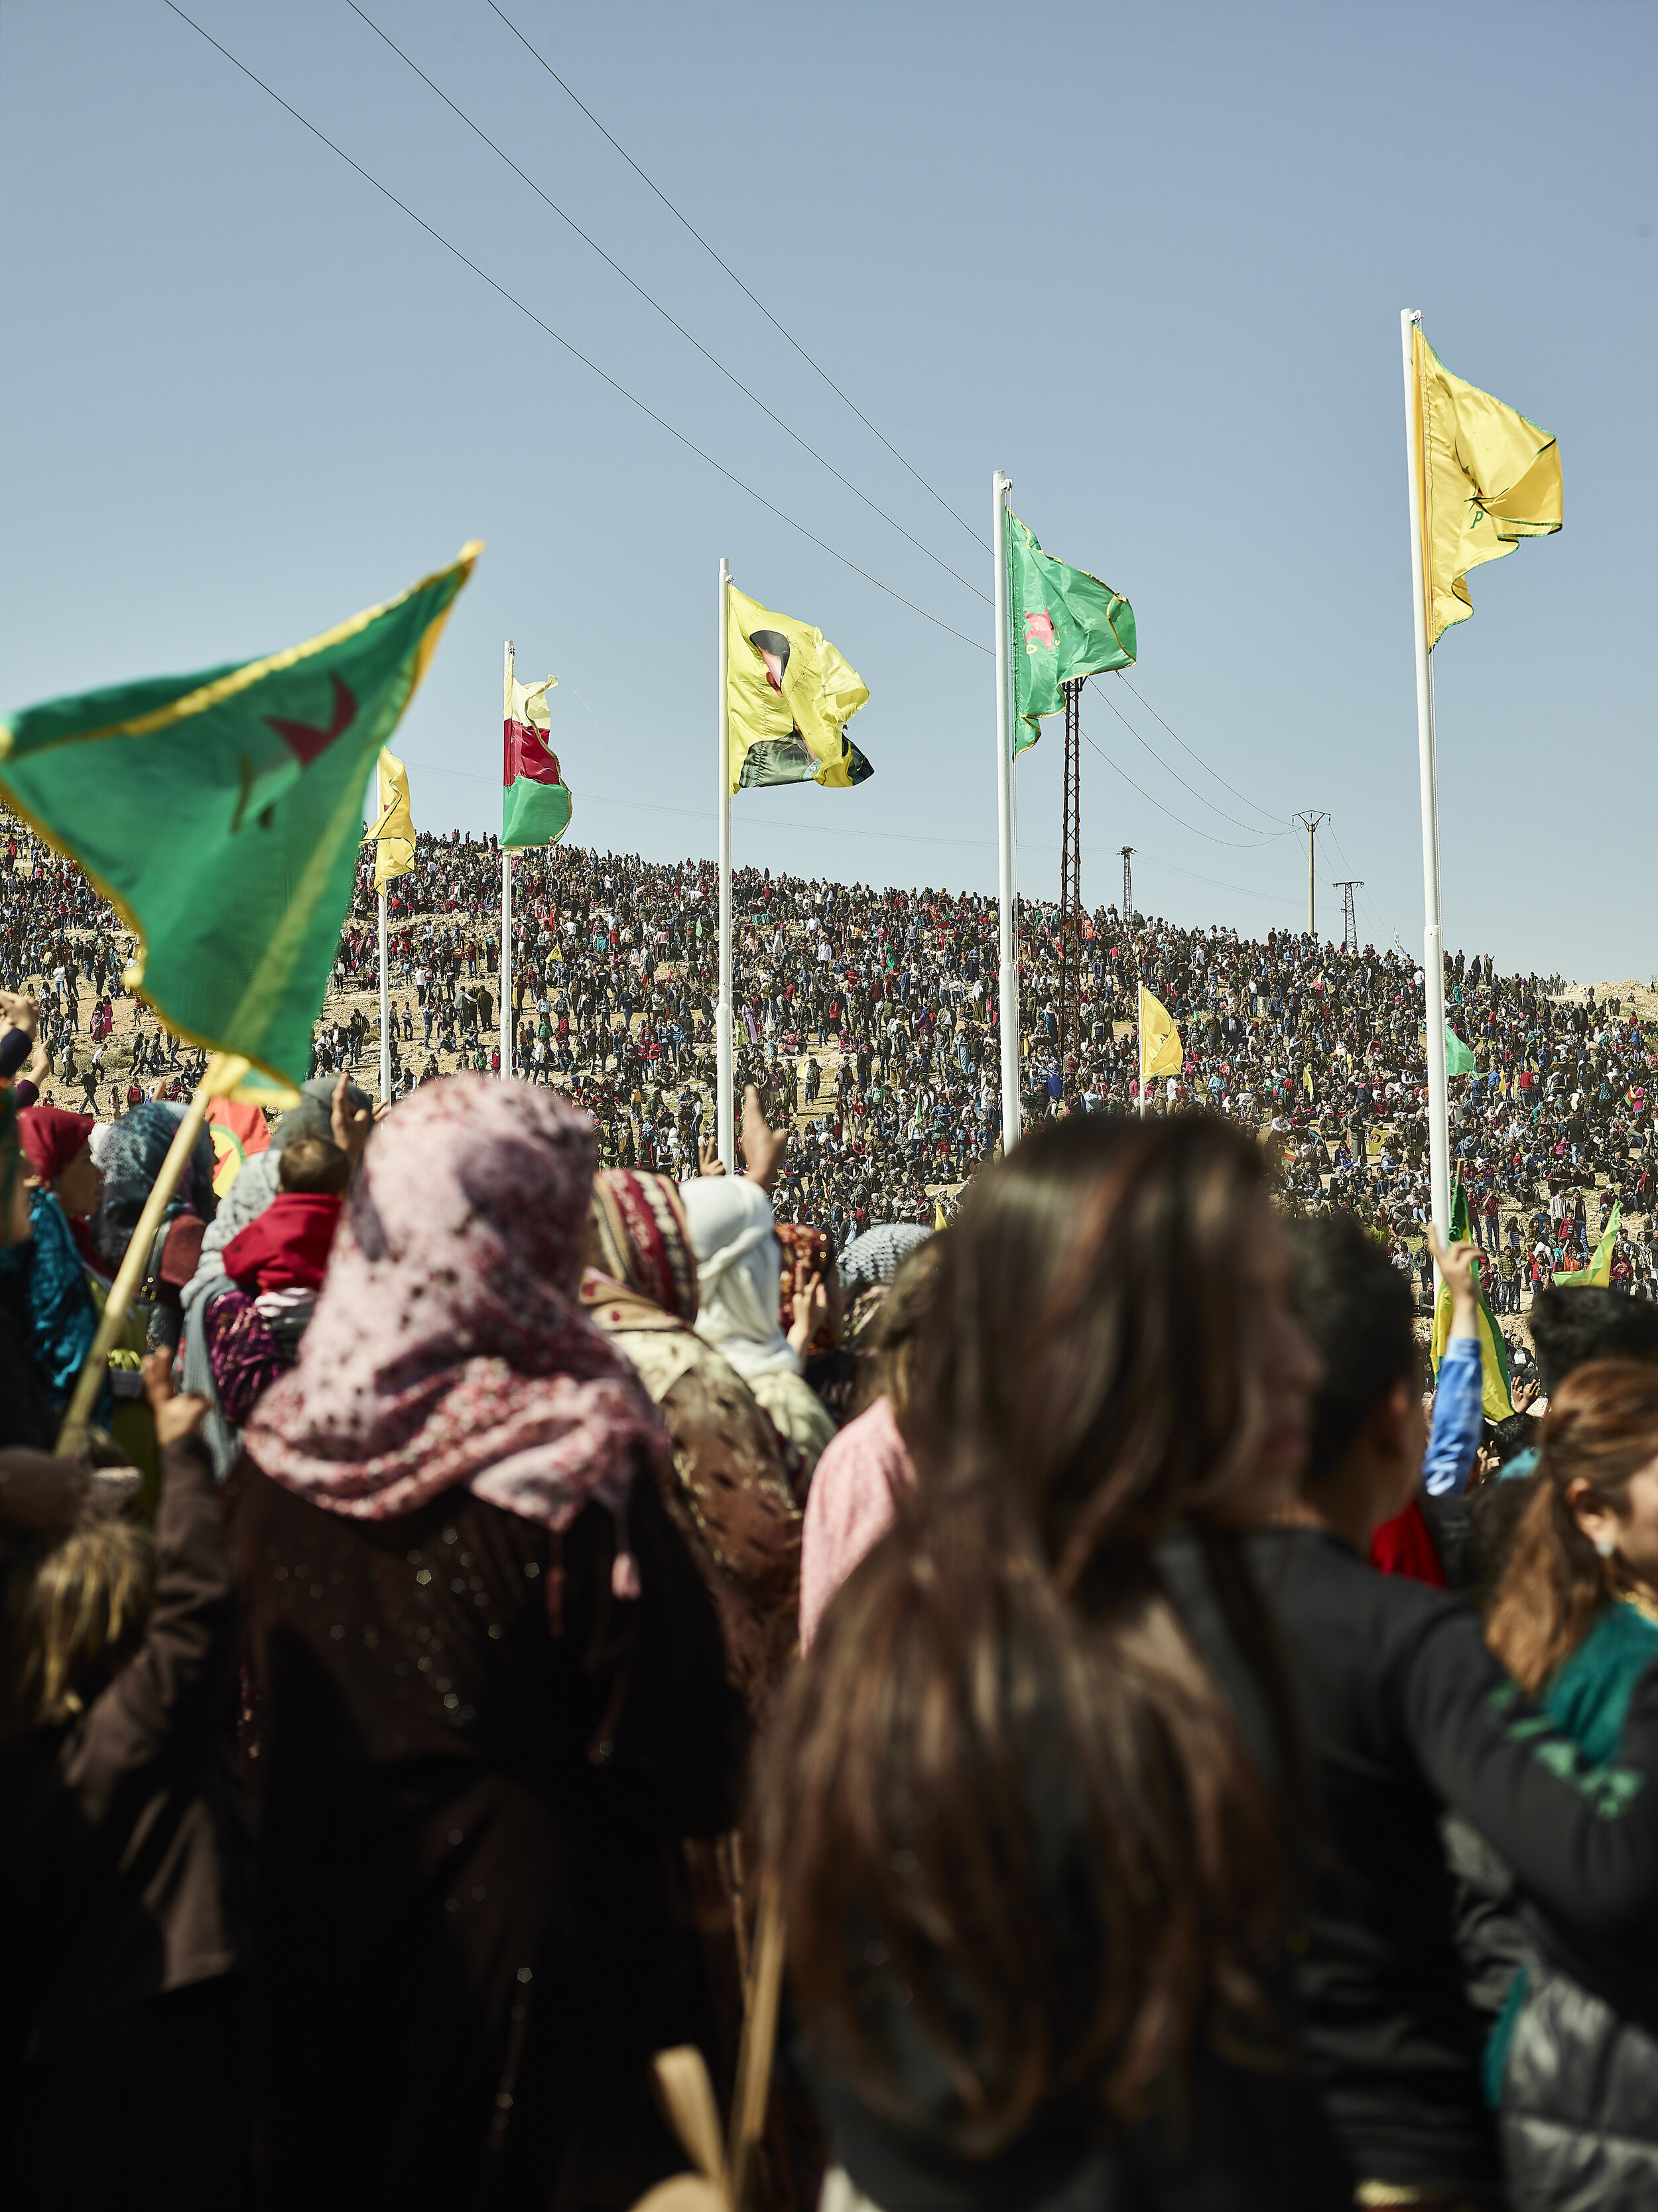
column 1571, row 1325
column 1358, row 1312
column 314, row 1163
column 72, row 1613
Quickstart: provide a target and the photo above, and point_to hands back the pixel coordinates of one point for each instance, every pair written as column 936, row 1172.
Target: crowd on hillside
column 510, row 1612
column 871, row 1017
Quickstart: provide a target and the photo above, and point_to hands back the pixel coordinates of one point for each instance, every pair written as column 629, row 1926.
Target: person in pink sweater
column 849, row 1507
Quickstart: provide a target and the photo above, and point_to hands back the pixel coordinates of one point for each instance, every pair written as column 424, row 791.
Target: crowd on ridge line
column 872, row 1016
column 504, row 1596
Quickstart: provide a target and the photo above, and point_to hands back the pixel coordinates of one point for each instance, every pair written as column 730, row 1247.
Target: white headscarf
column 739, row 1262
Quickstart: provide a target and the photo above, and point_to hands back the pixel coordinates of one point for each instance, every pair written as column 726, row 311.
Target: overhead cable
column 576, row 352
column 778, row 326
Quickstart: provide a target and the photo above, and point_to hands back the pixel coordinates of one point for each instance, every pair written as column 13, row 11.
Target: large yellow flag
column 1486, row 478
column 788, row 697
column 1160, row 1041
column 394, row 831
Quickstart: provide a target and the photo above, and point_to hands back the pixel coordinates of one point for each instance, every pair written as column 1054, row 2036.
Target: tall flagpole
column 1433, row 940
column 724, row 1103
column 1140, row 1040
column 385, row 1007
column 1008, row 996
column 506, row 919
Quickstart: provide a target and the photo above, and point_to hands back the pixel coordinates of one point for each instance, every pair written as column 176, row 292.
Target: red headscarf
column 51, row 1138
column 806, row 1253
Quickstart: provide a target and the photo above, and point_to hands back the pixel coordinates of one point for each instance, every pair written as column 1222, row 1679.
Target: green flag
column 1459, row 1061
column 220, row 815
column 1065, row 623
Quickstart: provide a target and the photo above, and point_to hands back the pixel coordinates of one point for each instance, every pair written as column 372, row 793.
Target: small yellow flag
column 1486, row 478
column 789, row 695
column 1160, row 1041
column 394, row 831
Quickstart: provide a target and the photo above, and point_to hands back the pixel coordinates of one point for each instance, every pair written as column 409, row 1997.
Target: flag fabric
column 392, row 833
column 1486, row 477
column 1459, row 1061
column 536, row 804
column 1160, row 1041
column 1599, row 1271
column 789, row 695
column 1497, row 1395
column 238, row 1130
column 1065, row 623
column 220, row 815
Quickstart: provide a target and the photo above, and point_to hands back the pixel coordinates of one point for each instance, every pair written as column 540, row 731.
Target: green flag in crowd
column 220, row 814
column 1065, row 623
column 1459, row 1061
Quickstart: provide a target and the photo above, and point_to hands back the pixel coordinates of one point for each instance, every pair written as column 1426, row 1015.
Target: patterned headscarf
column 877, row 1255
column 447, row 1345
column 130, row 1157
column 806, row 1253
column 638, row 1237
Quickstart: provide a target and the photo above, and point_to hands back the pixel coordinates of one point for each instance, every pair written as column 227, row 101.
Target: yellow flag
column 1597, row 1274
column 1160, row 1041
column 789, row 695
column 394, row 831
column 1486, row 478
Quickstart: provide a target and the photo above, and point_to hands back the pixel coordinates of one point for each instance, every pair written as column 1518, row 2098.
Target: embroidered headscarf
column 638, row 1237
column 739, row 1261
column 448, row 1346
column 131, row 1159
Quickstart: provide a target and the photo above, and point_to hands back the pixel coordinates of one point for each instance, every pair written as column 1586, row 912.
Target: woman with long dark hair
column 1020, row 1803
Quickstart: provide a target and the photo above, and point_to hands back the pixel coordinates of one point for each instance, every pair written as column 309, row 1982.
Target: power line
column 1232, row 843
column 1184, row 748
column 1179, row 778
column 574, row 351
column 737, row 279
column 611, row 262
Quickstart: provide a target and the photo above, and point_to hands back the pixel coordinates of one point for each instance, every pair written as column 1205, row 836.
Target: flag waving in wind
column 393, row 833
column 536, row 807
column 789, row 695
column 1065, row 623
column 1160, row 1052
column 220, row 815
column 1488, row 478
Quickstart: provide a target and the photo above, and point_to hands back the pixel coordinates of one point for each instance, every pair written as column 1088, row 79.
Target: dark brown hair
column 314, row 1163
column 1004, row 1779
column 1601, row 1427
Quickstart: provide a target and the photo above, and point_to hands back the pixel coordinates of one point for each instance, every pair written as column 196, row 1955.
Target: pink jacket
column 849, row 1507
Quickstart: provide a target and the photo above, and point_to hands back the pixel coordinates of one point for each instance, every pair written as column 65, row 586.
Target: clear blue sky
column 1148, row 261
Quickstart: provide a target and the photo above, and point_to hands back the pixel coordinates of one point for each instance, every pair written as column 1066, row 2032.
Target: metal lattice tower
column 1350, row 920
column 1128, row 852
column 1070, row 877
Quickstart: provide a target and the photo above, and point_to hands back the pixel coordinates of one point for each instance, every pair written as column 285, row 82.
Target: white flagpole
column 724, row 1103
column 385, row 1009
column 1433, row 940
column 506, row 919
column 1008, row 998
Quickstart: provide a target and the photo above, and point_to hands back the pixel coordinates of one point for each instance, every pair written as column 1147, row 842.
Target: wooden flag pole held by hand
column 223, row 1073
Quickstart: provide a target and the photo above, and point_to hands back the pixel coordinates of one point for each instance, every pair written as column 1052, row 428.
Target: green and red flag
column 1065, row 623
column 536, row 804
column 220, row 815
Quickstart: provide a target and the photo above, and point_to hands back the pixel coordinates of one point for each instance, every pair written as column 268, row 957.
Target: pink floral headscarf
column 448, row 1346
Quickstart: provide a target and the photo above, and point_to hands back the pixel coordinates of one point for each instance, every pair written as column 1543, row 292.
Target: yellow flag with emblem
column 1486, row 478
column 393, row 834
column 1160, row 1052
column 789, row 694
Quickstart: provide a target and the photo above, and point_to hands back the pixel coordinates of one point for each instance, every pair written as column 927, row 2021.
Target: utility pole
column 1311, row 821
column 1350, row 920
